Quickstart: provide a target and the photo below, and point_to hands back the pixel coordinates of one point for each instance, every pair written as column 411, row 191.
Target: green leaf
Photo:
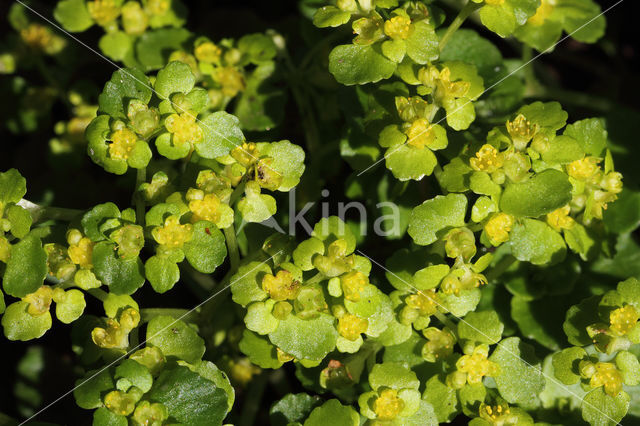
column 498, row 18
column 123, row 276
column 292, row 408
column 562, row 150
column 482, row 327
column 210, row 371
column 624, row 215
column 304, row 252
column 423, row 43
column 261, row 106
column 20, row 220
column 534, row 241
column 206, row 250
column 26, row 268
column 520, row 379
column 375, row 306
column 538, row 319
column 442, row 398
column 430, row 277
column 94, row 218
column 332, row 412
column 466, row 45
column 246, row 284
column 190, row 398
column 162, row 272
column 548, row 115
column 408, row 163
column 125, row 84
column 256, row 207
column 462, row 303
column 431, row 218
column 309, row 339
column 330, row 16
column 579, row 317
column 154, row 47
column 105, row 417
column 176, row 77
column 73, row 15
column 629, row 366
column 600, row 409
column 393, row 375
column 590, row 134
column 116, row 45
column 259, row 317
column 114, row 303
column 259, row 350
column 354, row 64
column 90, row 389
column 565, row 365
column 332, row 228
column 71, row 307
column 18, row 324
column 542, row 194
column 221, row 132
column 135, row 373
column 288, row 162
column 584, row 20
column 12, row 187
column 175, row 338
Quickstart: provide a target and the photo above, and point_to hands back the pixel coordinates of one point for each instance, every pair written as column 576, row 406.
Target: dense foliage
column 498, row 283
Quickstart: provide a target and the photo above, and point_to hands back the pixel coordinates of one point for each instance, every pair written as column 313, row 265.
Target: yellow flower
column 398, row 27
column 231, row 80
column 148, row 414
column 246, row 154
column 103, row 12
column 420, row 133
column 425, row 302
column 609, row 376
column 282, row 286
column 559, row 219
column 612, row 182
column 498, row 227
column 350, row 326
column 157, row 7
column 445, row 88
column 283, row 356
column 352, row 285
column 134, row 20
column 120, row 402
column 623, row 320
column 583, row 169
column 388, row 405
column 521, row 131
column 495, row 414
column 439, row 344
column 39, row 301
column 172, row 234
column 123, row 141
column 208, row 208
column 5, row 249
column 36, row 36
column 242, row 371
column 543, row 12
column 487, row 159
column 116, row 335
column 208, row 52
column 476, row 365
column 184, row 128
column 80, row 249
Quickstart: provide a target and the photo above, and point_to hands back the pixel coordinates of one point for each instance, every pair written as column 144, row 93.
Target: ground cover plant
column 319, row 212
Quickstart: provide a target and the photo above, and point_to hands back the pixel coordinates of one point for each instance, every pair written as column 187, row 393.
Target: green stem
column 148, row 313
column 335, row 35
column 253, row 399
column 236, row 194
column 447, row 322
column 232, row 247
column 315, row 279
column 501, row 267
column 41, row 213
column 99, row 294
column 467, row 10
column 569, row 97
column 141, row 177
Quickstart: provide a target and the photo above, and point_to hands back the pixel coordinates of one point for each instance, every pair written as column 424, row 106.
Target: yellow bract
column 498, row 228
column 398, row 27
column 282, row 286
column 157, row 7
column 487, row 159
column 283, row 356
column 623, row 320
column 134, row 20
column 149, row 414
column 424, row 302
column 420, row 134
column 609, row 376
column 80, row 249
column 208, row 52
column 350, row 326
column 103, row 11
column 439, row 344
column 559, row 219
column 208, row 208
column 476, row 365
column 246, row 154
column 352, row 285
column 583, row 169
column 116, row 335
column 172, row 234
column 5, row 249
column 122, row 143
column 119, row 402
column 36, row 36
column 39, row 301
column 184, row 128
column 231, row 80
column 543, row 12
column 388, row 405
column 447, row 88
column 612, row 182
